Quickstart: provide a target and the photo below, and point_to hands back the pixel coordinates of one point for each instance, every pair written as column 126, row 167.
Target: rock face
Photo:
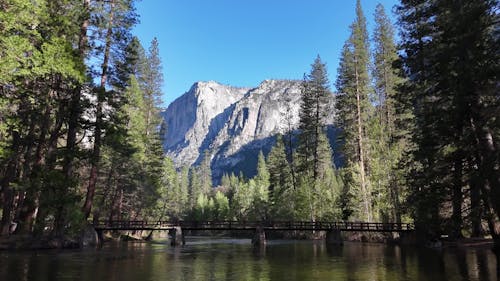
column 232, row 124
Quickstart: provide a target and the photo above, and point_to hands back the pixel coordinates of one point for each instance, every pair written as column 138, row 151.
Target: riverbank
column 24, row 242
column 476, row 243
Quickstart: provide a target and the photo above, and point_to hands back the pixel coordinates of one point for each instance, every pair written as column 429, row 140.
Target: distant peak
column 207, row 83
column 269, row 83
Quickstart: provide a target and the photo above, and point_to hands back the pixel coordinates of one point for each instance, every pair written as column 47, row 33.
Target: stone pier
column 408, row 238
column 91, row 237
column 259, row 237
column 334, row 237
column 177, row 236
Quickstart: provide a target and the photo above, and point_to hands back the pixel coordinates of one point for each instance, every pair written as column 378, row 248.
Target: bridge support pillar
column 100, row 235
column 177, row 236
column 334, row 237
column 259, row 237
column 90, row 237
column 408, row 238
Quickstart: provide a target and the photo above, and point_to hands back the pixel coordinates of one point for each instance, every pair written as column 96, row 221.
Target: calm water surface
column 235, row 259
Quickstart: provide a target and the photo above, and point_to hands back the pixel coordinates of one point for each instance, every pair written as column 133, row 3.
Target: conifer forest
column 416, row 103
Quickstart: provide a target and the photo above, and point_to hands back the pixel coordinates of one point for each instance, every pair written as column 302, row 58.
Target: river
column 236, row 259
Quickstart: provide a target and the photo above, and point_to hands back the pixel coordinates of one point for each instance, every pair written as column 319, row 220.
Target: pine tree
column 281, row 187
column 172, row 197
column 353, row 109
column 205, row 171
column 261, row 189
column 120, row 17
column 384, row 74
column 184, row 189
column 262, row 176
column 152, row 80
column 195, row 186
column 315, row 93
column 328, row 185
column 241, row 205
column 386, row 146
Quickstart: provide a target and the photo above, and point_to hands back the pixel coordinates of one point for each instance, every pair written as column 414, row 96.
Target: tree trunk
column 7, row 191
column 487, row 163
column 361, row 160
column 51, row 161
column 457, row 198
column 29, row 210
column 74, row 109
column 395, row 201
column 488, row 175
column 96, row 153
column 476, row 208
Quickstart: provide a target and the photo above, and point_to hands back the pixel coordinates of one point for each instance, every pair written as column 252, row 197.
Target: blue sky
column 243, row 42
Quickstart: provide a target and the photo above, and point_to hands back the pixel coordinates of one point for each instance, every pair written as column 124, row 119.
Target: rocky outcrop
column 232, row 124
column 194, row 116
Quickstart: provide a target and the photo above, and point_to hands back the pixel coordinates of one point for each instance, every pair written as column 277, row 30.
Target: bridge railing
column 242, row 225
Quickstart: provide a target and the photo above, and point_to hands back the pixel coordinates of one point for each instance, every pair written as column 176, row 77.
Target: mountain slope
column 232, row 124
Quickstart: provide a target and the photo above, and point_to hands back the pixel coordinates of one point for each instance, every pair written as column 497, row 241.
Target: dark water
column 235, row 259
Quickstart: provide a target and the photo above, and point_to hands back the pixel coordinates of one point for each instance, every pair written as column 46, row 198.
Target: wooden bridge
column 253, row 225
column 177, row 228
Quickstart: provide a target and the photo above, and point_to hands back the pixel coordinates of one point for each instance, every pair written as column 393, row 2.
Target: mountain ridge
column 232, row 123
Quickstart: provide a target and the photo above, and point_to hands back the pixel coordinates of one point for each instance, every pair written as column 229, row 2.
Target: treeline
column 450, row 60
column 79, row 116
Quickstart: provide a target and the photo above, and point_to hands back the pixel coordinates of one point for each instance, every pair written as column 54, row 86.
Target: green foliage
column 194, row 186
column 313, row 152
column 242, row 201
column 387, row 142
column 205, row 171
column 134, row 111
column 280, row 182
column 354, row 110
column 203, row 208
column 222, row 208
column 450, row 60
column 3, row 127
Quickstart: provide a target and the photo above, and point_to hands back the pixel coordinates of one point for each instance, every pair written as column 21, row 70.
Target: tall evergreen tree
column 152, row 80
column 353, row 107
column 386, row 145
column 315, row 94
column 195, row 187
column 261, row 192
column 205, row 171
column 281, row 187
column 118, row 17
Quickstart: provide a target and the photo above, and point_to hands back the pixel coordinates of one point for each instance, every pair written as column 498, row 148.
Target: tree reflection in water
column 236, row 259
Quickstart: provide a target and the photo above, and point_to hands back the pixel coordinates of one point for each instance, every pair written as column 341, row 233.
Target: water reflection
column 228, row 259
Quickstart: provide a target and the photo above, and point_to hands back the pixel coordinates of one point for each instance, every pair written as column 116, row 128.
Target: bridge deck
column 266, row 226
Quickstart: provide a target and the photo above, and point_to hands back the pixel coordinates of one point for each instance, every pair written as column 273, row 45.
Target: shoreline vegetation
column 30, row 243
